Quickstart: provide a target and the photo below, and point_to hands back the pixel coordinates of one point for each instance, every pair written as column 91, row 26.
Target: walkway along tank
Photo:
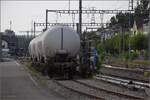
column 56, row 49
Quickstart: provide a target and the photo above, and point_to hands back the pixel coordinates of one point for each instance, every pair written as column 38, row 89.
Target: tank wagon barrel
column 57, row 48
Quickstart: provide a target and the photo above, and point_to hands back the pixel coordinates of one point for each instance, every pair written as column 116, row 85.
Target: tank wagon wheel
column 68, row 75
column 86, row 73
column 72, row 71
column 44, row 70
column 32, row 63
column 49, row 70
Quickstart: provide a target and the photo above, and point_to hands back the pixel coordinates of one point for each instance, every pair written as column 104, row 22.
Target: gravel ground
column 113, row 87
column 52, row 86
column 66, row 92
column 71, row 95
column 91, row 91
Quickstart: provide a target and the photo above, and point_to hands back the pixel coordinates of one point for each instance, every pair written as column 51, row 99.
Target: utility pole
column 79, row 27
column 149, row 33
column 10, row 25
column 130, row 8
column 93, row 16
column 69, row 5
column 80, row 18
column 46, row 18
column 101, row 19
column 34, row 29
column 83, row 68
column 147, row 90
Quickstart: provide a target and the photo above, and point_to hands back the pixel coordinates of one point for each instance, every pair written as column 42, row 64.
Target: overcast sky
column 23, row 13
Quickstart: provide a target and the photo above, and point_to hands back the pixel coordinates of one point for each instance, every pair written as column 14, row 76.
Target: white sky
column 23, row 13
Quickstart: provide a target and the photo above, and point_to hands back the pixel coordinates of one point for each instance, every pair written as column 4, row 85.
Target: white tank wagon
column 34, row 49
column 57, row 48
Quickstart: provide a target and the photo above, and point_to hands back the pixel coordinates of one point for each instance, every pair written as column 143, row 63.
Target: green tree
column 139, row 42
column 141, row 13
column 140, row 16
column 112, row 45
column 122, row 19
column 113, row 21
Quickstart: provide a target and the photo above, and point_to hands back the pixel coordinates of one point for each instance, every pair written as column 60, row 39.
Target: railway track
column 126, row 73
column 71, row 88
column 122, row 95
column 136, row 67
column 125, row 82
column 83, row 87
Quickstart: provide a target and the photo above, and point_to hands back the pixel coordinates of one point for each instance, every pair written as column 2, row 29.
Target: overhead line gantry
column 90, row 11
column 36, row 24
column 86, row 12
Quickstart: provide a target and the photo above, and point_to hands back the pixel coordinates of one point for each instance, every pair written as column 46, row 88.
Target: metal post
column 122, row 39
column 77, row 26
column 46, row 18
column 69, row 5
column 80, row 32
column 80, row 18
column 147, row 90
column 10, row 24
column 130, row 8
column 149, row 34
column 82, row 47
column 34, row 29
column 27, row 43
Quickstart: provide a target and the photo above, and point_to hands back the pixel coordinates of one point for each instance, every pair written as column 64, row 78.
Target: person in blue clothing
column 94, row 58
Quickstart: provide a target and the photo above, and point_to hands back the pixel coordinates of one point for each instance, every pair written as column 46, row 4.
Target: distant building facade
column 146, row 28
column 9, row 42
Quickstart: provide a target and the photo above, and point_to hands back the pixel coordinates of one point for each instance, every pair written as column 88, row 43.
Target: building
column 145, row 28
column 8, row 42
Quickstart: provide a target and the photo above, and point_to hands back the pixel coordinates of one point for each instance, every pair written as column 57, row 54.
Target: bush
column 133, row 55
column 139, row 41
column 146, row 54
column 101, row 55
column 146, row 74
